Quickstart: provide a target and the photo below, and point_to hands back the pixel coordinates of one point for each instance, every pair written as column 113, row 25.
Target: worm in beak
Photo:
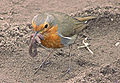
column 35, row 38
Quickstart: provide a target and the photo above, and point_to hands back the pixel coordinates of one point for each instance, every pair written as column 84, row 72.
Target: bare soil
column 16, row 66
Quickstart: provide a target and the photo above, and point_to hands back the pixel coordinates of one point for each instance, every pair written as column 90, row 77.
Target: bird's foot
column 66, row 72
column 43, row 62
column 41, row 65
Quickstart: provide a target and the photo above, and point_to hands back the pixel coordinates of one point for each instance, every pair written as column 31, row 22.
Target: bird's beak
column 36, row 32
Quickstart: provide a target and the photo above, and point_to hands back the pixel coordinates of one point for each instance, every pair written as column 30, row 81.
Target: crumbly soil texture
column 103, row 33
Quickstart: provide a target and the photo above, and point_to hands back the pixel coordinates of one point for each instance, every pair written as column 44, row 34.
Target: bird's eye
column 46, row 26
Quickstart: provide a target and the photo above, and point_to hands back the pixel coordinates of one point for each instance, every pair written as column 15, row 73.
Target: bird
column 55, row 30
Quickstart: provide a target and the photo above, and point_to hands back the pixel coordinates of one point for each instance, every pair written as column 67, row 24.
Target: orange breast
column 51, row 39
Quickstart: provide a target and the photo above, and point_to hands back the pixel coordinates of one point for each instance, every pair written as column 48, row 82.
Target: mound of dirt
column 16, row 66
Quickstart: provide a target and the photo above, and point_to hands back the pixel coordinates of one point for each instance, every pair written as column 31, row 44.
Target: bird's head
column 41, row 23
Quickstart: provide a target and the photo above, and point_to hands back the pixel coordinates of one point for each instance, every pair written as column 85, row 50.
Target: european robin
column 55, row 30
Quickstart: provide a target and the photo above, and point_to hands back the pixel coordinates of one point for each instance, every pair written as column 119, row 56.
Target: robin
column 55, row 30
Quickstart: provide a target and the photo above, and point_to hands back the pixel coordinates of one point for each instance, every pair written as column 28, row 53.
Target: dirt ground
column 16, row 66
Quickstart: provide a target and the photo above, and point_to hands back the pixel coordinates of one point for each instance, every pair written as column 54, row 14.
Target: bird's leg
column 44, row 62
column 69, row 66
column 70, row 49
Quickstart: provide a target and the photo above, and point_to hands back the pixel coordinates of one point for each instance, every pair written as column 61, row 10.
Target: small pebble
column 117, row 43
column 111, row 19
column 1, row 18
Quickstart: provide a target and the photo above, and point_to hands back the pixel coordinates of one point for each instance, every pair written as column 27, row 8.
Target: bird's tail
column 84, row 18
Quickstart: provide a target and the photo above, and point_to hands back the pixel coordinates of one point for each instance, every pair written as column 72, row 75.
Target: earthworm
column 33, row 45
column 33, row 48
